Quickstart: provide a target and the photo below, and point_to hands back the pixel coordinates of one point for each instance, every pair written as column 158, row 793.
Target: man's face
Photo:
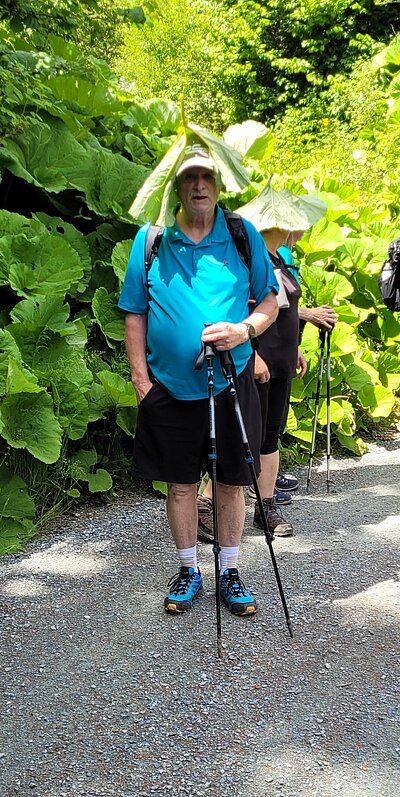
column 197, row 191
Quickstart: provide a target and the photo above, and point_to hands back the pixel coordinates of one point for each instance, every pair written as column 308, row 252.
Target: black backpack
column 235, row 226
column 389, row 278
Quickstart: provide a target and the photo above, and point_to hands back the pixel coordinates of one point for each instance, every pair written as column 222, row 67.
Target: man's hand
column 261, row 370
column 301, row 364
column 142, row 388
column 224, row 335
column 322, row 316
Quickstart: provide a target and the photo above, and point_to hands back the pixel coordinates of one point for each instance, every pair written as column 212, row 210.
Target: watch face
column 252, row 331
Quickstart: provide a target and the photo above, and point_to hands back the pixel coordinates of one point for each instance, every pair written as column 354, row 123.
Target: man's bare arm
column 135, row 342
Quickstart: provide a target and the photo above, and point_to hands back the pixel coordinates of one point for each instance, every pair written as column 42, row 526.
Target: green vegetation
column 77, row 144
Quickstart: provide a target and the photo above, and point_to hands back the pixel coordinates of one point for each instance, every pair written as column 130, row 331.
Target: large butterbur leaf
column 29, row 422
column 252, row 139
column 71, row 408
column 379, row 400
column 20, row 380
column 50, row 356
column 69, row 233
column 48, row 156
column 109, row 317
column 84, row 98
column 157, row 198
column 15, row 501
column 120, row 392
column 41, row 266
column 114, row 180
column 120, row 257
column 14, row 534
column 100, row 481
column 81, row 468
column 282, row 209
column 325, row 287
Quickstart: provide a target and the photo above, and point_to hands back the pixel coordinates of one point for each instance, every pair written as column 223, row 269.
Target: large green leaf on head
column 157, row 199
column 29, row 422
column 282, row 209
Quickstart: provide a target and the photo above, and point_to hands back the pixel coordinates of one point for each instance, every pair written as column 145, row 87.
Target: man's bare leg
column 269, row 471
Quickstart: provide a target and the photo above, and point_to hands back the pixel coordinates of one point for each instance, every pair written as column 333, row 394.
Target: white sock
column 188, row 557
column 228, row 557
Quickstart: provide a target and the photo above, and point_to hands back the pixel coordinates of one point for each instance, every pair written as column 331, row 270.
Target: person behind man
column 196, row 292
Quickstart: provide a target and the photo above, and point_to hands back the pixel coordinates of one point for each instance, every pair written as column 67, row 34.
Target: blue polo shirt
column 190, row 285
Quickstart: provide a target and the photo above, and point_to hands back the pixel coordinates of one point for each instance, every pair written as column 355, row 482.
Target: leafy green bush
column 74, row 152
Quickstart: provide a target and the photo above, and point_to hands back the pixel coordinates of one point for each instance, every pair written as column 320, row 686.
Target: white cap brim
column 197, row 161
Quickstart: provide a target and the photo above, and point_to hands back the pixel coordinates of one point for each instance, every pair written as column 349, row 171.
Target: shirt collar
column 217, row 234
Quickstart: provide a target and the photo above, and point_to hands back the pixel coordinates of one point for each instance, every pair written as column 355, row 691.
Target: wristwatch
column 250, row 329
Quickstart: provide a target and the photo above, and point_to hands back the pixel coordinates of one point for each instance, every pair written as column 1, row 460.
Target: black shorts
column 172, row 437
column 274, row 400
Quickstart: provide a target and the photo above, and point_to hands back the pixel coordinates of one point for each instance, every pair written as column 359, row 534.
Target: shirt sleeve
column 133, row 297
column 262, row 277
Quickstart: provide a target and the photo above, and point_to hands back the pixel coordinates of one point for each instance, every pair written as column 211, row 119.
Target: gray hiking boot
column 278, row 526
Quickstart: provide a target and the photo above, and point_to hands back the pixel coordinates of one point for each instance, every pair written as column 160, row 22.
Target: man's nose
column 199, row 181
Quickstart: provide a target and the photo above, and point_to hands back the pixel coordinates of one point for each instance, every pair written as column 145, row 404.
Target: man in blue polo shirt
column 197, row 289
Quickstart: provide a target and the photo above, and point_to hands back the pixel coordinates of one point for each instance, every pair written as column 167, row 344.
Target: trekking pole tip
column 220, row 649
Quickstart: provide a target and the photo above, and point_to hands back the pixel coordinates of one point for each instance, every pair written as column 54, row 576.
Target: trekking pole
column 209, row 354
column 328, row 410
column 226, row 364
column 322, row 335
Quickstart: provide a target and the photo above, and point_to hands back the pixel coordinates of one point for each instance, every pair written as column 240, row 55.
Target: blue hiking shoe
column 281, row 498
column 234, row 593
column 287, row 482
column 186, row 586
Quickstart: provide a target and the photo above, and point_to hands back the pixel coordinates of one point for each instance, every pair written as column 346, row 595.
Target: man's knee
column 181, row 492
column 229, row 492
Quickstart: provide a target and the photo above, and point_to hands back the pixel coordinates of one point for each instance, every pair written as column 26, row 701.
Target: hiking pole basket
column 226, row 364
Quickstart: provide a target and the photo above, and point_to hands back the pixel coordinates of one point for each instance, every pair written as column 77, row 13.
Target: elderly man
column 196, row 290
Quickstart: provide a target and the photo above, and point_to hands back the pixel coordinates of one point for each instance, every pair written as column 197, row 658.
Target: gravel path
column 104, row 694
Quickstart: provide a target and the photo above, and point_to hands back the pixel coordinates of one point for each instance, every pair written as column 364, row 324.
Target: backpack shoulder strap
column 153, row 240
column 238, row 232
